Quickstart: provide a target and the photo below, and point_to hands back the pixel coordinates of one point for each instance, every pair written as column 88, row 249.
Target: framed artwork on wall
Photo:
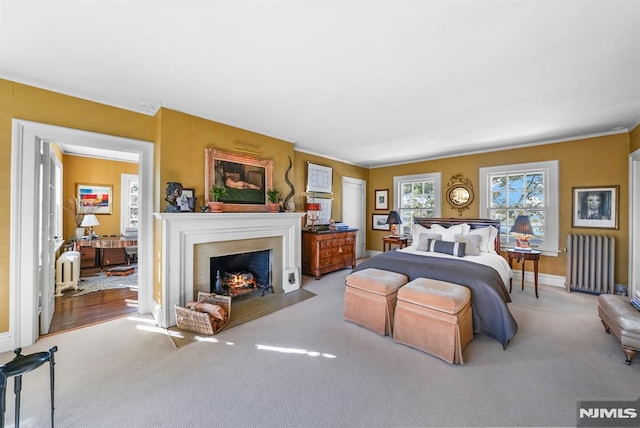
column 94, row 198
column 379, row 222
column 382, row 199
column 595, row 207
column 319, row 178
column 245, row 178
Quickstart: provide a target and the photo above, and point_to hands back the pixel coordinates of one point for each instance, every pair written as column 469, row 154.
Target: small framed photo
column 291, row 280
column 379, row 222
column 319, row 178
column 94, row 198
column 595, row 207
column 382, row 199
column 183, row 202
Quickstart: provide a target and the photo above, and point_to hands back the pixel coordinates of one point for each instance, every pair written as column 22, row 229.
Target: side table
column 524, row 256
column 388, row 241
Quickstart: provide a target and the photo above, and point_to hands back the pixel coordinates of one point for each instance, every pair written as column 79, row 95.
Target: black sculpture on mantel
column 293, row 189
column 173, row 191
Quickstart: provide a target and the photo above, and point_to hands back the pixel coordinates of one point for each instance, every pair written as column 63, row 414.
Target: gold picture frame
column 246, row 179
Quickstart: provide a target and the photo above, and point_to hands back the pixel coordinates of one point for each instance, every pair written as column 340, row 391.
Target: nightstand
column 388, row 241
column 524, row 256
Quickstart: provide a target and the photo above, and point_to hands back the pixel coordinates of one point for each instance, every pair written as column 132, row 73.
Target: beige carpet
column 304, row 366
column 243, row 312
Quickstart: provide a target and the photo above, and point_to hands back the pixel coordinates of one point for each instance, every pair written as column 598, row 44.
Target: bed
column 485, row 275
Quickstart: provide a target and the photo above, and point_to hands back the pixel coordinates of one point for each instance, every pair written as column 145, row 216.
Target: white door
column 354, row 193
column 47, row 230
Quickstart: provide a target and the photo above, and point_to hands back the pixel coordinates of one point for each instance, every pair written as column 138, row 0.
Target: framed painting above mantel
column 245, row 178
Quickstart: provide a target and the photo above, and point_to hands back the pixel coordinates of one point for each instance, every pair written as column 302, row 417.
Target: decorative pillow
column 465, row 228
column 445, row 247
column 488, row 235
column 448, row 234
column 424, row 238
column 472, row 244
column 417, row 230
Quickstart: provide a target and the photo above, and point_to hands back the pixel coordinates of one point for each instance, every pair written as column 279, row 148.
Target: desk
column 524, row 256
column 103, row 252
column 388, row 241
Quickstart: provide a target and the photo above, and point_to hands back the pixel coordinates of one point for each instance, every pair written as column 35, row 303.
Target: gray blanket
column 489, row 296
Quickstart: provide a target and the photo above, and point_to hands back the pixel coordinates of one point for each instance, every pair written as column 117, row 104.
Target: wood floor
column 75, row 312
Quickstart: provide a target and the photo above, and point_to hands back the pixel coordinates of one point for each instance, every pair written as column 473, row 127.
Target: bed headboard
column 473, row 222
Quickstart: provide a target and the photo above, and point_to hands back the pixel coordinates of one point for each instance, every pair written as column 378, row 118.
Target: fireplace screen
column 242, row 275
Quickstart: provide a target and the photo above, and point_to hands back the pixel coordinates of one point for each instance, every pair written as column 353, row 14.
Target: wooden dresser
column 326, row 251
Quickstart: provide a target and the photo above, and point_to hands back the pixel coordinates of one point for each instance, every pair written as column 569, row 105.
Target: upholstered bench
column 623, row 320
column 370, row 299
column 435, row 317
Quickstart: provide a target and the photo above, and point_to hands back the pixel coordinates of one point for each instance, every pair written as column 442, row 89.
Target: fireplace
column 241, row 276
column 189, row 240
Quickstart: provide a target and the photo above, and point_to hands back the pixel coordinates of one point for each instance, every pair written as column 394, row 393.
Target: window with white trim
column 417, row 196
column 523, row 189
column 129, row 203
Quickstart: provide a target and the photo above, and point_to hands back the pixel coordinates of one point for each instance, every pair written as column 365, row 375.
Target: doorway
column 24, row 287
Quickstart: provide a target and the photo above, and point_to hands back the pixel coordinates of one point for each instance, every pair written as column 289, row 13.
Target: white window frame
column 437, row 180
column 551, row 200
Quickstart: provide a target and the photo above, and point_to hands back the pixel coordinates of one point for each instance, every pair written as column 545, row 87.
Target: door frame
column 634, row 218
column 23, row 299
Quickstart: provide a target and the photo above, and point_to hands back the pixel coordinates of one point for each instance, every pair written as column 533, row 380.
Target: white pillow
column 417, row 230
column 423, row 239
column 465, row 228
column 448, row 234
column 488, row 235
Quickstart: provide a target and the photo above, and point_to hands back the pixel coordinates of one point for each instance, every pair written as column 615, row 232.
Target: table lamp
column 313, row 212
column 89, row 221
column 394, row 220
column 523, row 231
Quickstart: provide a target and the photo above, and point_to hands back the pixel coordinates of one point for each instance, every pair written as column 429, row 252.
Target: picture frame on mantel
column 245, row 178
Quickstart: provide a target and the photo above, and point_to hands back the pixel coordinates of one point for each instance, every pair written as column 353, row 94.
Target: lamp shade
column 522, row 226
column 89, row 220
column 394, row 218
column 313, row 206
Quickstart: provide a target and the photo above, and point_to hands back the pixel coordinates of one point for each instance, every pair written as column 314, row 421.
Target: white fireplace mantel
column 181, row 232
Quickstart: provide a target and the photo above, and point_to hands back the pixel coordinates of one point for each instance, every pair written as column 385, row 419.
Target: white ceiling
column 367, row 82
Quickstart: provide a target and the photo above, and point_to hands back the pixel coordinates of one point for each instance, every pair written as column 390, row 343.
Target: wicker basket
column 200, row 322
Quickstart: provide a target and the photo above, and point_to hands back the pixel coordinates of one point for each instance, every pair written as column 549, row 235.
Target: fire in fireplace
column 241, row 275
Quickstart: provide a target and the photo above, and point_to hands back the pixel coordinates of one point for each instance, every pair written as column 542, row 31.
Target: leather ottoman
column 623, row 320
column 370, row 299
column 435, row 317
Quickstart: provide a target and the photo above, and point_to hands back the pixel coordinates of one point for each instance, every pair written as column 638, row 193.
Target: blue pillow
column 446, row 247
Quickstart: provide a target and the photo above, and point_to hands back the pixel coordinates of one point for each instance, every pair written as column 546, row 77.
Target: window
column 130, row 194
column 524, row 189
column 417, row 196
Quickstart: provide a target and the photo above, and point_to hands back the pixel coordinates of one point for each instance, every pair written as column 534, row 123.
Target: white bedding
column 495, row 261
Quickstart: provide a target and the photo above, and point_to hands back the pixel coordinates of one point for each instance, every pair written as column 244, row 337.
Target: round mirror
column 459, row 193
column 459, row 196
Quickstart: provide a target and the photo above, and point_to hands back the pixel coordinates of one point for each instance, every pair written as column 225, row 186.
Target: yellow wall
column 634, row 137
column 588, row 162
column 77, row 169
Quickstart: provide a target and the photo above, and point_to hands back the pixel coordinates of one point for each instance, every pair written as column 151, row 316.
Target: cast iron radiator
column 590, row 263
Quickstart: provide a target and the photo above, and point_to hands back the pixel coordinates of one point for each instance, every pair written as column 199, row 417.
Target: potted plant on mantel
column 215, row 206
column 274, row 204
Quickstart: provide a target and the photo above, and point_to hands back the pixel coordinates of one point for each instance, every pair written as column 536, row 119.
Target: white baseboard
column 543, row 278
